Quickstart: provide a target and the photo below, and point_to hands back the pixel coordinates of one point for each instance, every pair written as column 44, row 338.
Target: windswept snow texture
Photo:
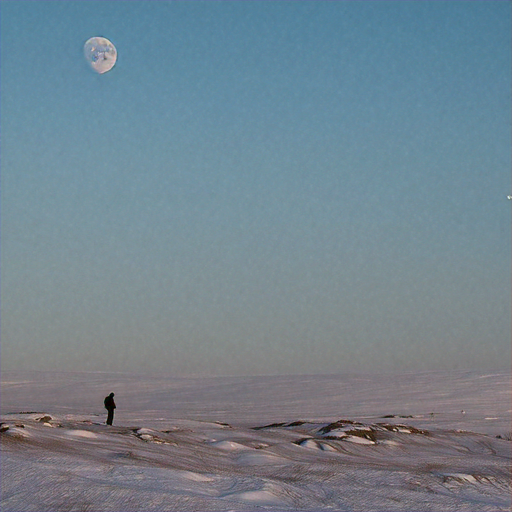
column 428, row 441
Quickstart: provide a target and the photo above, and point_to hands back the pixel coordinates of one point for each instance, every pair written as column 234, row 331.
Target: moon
column 100, row 53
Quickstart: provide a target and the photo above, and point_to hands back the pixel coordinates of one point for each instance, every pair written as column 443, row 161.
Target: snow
column 16, row 432
column 462, row 477
column 312, row 444
column 264, row 496
column 358, row 440
column 250, row 458
column 316, row 442
column 82, row 433
column 228, row 445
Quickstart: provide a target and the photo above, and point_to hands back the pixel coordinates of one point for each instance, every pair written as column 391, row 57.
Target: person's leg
column 110, row 417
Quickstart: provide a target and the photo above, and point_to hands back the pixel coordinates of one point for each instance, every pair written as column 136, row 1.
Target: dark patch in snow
column 124, row 455
column 272, row 425
column 227, row 425
column 296, row 423
column 397, row 427
column 366, row 434
column 302, row 440
column 337, row 424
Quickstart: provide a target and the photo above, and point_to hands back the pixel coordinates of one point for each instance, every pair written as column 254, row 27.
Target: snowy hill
column 442, row 444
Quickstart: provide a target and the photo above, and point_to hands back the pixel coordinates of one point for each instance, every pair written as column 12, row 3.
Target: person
column 110, row 405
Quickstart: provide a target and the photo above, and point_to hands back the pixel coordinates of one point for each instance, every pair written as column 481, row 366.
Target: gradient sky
column 256, row 187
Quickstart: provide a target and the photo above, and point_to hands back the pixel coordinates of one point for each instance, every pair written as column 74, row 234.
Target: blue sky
column 256, row 187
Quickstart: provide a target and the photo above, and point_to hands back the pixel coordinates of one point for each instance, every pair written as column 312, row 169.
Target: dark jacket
column 109, row 402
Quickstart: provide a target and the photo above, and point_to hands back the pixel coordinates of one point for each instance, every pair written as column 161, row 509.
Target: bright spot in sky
column 100, row 53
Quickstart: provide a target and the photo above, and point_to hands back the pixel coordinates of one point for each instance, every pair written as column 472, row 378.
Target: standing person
column 110, row 405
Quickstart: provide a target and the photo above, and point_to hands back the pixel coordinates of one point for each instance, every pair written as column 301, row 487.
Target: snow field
column 152, row 459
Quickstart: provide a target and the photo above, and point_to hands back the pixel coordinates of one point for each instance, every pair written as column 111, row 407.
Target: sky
column 256, row 188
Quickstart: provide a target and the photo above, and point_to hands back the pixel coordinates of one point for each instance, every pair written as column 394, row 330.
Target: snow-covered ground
column 425, row 441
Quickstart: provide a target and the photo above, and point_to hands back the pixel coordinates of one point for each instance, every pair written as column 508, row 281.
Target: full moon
column 100, row 53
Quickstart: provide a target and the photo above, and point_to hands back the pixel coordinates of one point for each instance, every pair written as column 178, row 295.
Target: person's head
column 111, row 395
